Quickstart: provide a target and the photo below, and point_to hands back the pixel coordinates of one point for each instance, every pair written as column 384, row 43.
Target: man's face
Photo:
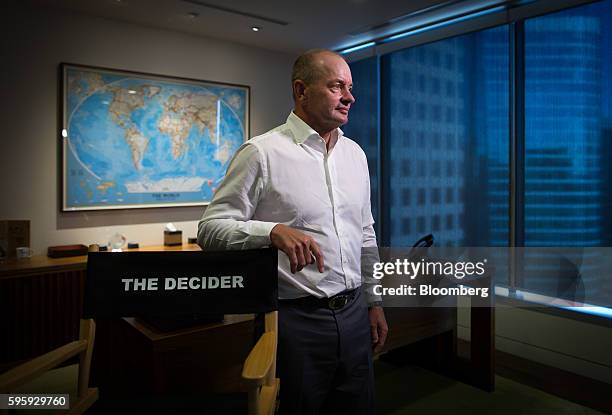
column 328, row 99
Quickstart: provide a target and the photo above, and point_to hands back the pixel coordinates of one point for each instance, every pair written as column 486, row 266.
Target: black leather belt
column 335, row 302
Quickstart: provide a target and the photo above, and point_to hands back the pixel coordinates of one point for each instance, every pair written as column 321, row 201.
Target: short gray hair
column 305, row 68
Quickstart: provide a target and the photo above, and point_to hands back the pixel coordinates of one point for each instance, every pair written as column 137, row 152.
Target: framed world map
column 134, row 140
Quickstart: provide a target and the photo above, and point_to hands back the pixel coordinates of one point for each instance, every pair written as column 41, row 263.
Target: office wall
column 34, row 42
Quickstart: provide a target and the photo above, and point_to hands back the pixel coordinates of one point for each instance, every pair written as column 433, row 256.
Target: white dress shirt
column 287, row 176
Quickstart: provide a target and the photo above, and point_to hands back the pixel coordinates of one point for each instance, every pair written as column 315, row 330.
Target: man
column 304, row 188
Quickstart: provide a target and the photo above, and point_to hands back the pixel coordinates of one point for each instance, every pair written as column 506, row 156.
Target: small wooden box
column 64, row 251
column 173, row 238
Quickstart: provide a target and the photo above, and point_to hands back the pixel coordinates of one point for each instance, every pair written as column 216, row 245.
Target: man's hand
column 378, row 327
column 300, row 248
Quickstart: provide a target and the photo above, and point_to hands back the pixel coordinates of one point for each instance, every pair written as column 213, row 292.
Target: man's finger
column 383, row 336
column 381, row 341
column 311, row 257
column 292, row 261
column 314, row 249
column 301, row 261
column 374, row 334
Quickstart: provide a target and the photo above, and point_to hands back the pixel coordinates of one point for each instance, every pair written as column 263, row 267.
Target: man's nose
column 347, row 97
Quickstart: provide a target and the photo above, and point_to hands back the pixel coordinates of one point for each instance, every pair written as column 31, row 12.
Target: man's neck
column 325, row 133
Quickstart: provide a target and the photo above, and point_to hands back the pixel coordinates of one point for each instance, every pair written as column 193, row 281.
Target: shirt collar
column 302, row 131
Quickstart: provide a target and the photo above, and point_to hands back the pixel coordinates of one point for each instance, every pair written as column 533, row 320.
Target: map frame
column 144, row 76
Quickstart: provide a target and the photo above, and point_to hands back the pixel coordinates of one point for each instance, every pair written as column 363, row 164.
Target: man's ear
column 299, row 88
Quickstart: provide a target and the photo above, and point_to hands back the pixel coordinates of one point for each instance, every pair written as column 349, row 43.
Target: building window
column 421, row 197
column 421, row 225
column 435, row 223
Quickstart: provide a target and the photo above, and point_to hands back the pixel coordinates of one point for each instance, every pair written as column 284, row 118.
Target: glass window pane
column 456, row 141
column 568, row 142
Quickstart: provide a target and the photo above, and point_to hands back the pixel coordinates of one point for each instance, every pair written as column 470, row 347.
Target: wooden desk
column 427, row 336
column 41, row 301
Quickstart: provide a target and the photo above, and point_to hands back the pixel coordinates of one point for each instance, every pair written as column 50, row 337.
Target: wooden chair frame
column 22, row 374
column 259, row 370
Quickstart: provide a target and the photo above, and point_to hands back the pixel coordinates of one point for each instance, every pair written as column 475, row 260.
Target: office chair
column 106, row 299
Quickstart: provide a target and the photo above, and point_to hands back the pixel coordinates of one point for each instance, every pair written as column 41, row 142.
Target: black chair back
column 180, row 283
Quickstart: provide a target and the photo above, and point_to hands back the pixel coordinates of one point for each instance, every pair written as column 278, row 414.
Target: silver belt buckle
column 336, row 303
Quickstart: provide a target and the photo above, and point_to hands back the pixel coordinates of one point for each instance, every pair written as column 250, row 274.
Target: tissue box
column 173, row 238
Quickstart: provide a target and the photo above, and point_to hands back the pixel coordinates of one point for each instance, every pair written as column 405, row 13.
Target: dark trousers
column 325, row 358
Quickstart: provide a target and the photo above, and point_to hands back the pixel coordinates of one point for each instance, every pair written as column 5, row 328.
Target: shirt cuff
column 370, row 296
column 262, row 229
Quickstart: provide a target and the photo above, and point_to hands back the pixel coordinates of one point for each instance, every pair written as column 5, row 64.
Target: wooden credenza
column 41, row 299
column 40, row 302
